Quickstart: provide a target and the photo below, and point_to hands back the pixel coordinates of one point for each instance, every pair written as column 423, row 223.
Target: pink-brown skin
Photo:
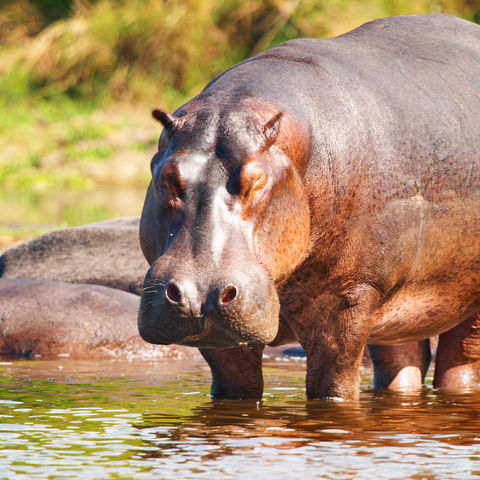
column 45, row 319
column 457, row 365
column 324, row 191
column 400, row 367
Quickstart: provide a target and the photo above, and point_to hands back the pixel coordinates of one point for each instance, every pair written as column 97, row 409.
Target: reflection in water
column 156, row 420
column 385, row 436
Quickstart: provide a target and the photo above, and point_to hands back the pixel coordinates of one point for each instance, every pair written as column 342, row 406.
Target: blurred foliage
column 52, row 10
column 164, row 51
column 27, row 212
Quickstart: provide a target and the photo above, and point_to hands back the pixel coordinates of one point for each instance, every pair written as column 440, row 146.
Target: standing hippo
column 325, row 191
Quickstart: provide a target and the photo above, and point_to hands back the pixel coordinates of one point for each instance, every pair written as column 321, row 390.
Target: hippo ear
column 270, row 130
column 168, row 121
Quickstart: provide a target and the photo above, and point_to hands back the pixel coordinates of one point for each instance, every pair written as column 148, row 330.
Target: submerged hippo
column 325, row 191
column 102, row 253
column 43, row 319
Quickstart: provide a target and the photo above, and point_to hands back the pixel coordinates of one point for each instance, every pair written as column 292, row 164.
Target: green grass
column 53, row 144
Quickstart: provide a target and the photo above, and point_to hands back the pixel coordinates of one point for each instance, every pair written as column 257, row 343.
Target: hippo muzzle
column 240, row 310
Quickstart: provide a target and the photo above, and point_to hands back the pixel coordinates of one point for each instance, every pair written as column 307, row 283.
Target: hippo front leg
column 236, row 372
column 335, row 350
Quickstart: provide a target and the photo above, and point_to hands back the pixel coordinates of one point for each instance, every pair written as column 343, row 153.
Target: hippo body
column 103, row 253
column 324, row 191
column 44, row 319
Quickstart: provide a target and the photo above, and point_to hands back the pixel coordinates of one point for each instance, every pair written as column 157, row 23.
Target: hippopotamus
column 325, row 191
column 103, row 253
column 45, row 319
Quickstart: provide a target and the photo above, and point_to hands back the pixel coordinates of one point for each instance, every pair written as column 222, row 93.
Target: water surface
column 26, row 212
column 151, row 420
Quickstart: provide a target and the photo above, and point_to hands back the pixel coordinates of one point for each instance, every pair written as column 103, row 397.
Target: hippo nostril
column 173, row 293
column 228, row 294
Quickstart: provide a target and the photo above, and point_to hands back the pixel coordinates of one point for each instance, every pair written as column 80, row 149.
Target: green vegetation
column 163, row 50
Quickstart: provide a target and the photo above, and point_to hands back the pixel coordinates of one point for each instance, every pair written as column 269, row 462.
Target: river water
column 25, row 213
column 155, row 420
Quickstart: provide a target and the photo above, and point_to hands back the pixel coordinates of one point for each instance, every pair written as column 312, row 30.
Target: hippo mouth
column 216, row 336
column 207, row 334
column 202, row 331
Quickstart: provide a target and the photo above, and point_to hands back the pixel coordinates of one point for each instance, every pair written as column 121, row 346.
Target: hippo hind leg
column 400, row 367
column 457, row 365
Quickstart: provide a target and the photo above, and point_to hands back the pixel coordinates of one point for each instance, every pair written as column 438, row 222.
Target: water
column 155, row 420
column 26, row 213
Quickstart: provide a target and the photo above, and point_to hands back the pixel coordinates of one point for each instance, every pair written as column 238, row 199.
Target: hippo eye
column 249, row 178
column 252, row 178
column 171, row 185
column 222, row 150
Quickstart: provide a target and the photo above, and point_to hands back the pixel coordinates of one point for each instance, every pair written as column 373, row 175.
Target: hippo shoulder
column 410, row 38
column 400, row 34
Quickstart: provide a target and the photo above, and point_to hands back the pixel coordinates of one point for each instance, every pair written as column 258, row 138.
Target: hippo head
column 225, row 220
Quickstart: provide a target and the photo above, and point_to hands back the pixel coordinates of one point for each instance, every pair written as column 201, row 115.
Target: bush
column 163, row 50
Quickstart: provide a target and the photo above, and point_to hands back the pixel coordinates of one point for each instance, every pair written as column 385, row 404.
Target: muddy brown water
column 155, row 420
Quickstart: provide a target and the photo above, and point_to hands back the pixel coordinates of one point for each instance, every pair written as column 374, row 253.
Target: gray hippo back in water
column 325, row 191
column 103, row 253
column 44, row 319
column 43, row 316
